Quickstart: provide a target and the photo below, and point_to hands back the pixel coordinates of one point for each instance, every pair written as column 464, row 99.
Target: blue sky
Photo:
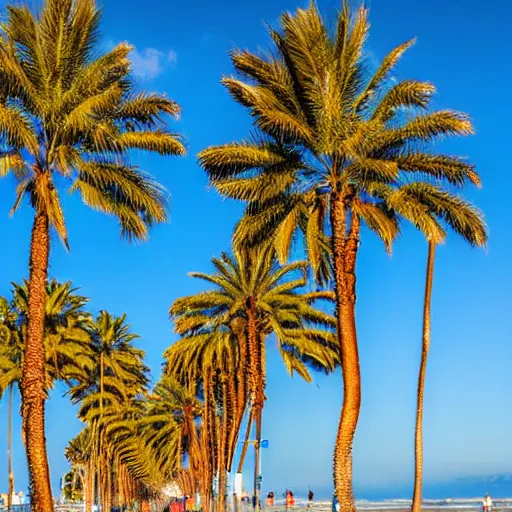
column 181, row 48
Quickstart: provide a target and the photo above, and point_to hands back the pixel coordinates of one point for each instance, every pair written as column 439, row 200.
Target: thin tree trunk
column 33, row 376
column 95, row 462
column 120, row 484
column 231, row 417
column 101, row 478
column 108, row 483
column 344, row 248
column 257, row 448
column 10, row 474
column 418, row 451
column 89, row 487
column 223, row 452
column 256, row 348
column 115, row 481
column 243, row 453
column 242, row 373
column 246, row 443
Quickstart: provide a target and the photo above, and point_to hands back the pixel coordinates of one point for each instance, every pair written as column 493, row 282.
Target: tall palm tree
column 328, row 137
column 268, row 297
column 113, row 343
column 446, row 210
column 66, row 339
column 67, row 111
column 116, row 375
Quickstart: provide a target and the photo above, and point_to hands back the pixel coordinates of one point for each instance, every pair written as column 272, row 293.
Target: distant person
column 311, row 496
column 269, row 502
column 487, row 503
column 290, row 500
column 335, row 504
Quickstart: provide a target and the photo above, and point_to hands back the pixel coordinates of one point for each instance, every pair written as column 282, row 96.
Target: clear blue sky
column 464, row 48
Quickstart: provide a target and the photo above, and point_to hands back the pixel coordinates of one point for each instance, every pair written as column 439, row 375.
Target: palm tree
column 172, row 432
column 267, row 296
column 328, row 139
column 116, row 375
column 78, row 455
column 448, row 210
column 73, row 485
column 66, row 338
column 67, row 111
column 113, row 343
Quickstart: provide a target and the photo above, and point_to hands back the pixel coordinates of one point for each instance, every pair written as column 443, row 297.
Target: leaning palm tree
column 268, row 297
column 67, row 111
column 328, row 137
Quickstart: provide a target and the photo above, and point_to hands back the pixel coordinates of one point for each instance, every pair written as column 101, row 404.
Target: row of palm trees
column 334, row 148
column 186, row 429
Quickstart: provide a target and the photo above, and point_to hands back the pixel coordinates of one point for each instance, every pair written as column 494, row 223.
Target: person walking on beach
column 487, row 503
column 290, row 500
column 310, row 499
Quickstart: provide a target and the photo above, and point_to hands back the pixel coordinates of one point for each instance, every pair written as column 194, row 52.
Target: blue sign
column 264, row 443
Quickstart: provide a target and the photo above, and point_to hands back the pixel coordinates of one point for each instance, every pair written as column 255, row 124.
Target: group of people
column 289, row 498
column 187, row 504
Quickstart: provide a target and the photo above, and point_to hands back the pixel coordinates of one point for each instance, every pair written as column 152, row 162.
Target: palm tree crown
column 66, row 111
column 67, row 338
column 254, row 281
column 327, row 130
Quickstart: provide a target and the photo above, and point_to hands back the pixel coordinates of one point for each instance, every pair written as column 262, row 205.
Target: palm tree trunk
column 10, row 473
column 89, row 486
column 100, row 448
column 243, row 453
column 223, row 452
column 33, row 376
column 120, row 484
column 257, row 448
column 418, row 451
column 231, row 418
column 256, row 356
column 344, row 248
column 246, row 442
